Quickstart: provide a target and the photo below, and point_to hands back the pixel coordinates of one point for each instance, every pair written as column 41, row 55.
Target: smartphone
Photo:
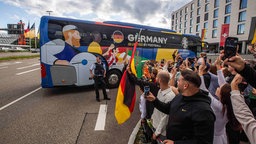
column 205, row 59
column 230, row 47
column 146, row 90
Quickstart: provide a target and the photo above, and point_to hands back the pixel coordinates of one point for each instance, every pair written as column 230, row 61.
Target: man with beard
column 191, row 119
column 72, row 42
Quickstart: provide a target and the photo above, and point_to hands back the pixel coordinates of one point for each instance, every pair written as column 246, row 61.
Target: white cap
column 69, row 27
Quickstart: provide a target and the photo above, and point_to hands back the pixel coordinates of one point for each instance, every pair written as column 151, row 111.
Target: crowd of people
column 195, row 100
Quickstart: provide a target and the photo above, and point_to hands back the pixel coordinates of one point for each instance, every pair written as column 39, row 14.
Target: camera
column 146, row 90
column 230, row 48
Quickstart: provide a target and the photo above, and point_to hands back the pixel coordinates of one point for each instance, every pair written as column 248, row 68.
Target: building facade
column 208, row 17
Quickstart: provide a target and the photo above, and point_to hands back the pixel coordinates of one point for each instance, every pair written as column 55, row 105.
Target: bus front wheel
column 113, row 78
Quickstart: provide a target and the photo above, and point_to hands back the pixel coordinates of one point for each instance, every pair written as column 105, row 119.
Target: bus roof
column 139, row 26
column 114, row 23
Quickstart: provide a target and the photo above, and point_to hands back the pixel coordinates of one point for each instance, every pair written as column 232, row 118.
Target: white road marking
column 20, row 98
column 4, row 64
column 27, row 71
column 8, row 63
column 101, row 120
column 3, row 67
column 28, row 66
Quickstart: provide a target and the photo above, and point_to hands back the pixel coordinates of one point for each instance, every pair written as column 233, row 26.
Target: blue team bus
column 68, row 47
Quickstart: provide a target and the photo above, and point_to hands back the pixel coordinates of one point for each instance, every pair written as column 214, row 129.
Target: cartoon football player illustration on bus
column 72, row 42
column 58, row 53
column 95, row 46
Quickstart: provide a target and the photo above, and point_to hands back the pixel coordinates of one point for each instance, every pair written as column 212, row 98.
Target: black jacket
column 154, row 88
column 191, row 119
column 249, row 75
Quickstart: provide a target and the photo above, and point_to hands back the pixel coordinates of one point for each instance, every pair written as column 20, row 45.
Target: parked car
column 4, row 48
column 35, row 50
column 18, row 49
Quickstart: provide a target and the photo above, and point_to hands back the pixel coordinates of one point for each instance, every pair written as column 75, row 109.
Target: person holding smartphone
column 165, row 94
column 191, row 119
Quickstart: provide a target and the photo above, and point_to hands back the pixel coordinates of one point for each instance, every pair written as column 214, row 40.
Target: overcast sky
column 147, row 12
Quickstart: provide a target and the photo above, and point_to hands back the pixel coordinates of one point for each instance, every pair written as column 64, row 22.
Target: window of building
column 198, row 19
column 242, row 16
column 197, row 34
column 180, row 26
column 180, row 19
column 243, row 4
column 185, row 24
column 184, row 31
column 206, row 25
column 228, row 9
column 190, row 30
column 198, row 28
column 172, row 27
column 176, row 15
column 240, row 29
column 186, row 17
column 192, row 6
column 172, row 17
column 186, row 10
column 215, row 13
column 206, row 17
column 176, row 21
column 191, row 14
column 227, row 1
column 214, row 33
column 216, row 3
column 206, row 9
column 215, row 23
column 199, row 3
column 198, row 11
column 206, row 1
column 191, row 22
column 176, row 27
column 227, row 19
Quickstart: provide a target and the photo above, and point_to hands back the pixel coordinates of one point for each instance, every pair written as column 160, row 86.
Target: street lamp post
column 49, row 12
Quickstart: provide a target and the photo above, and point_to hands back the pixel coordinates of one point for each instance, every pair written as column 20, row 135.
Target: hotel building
column 217, row 19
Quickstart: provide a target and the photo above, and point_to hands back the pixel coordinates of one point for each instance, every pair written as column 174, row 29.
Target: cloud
column 148, row 12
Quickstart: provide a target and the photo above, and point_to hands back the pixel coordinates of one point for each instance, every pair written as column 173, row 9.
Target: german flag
column 26, row 33
column 203, row 36
column 126, row 94
column 254, row 37
column 252, row 32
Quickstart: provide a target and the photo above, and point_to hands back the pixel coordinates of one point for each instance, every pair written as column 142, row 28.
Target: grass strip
column 18, row 57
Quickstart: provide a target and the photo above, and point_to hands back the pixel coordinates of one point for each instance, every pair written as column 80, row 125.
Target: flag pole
column 35, row 38
column 132, row 61
column 29, row 43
